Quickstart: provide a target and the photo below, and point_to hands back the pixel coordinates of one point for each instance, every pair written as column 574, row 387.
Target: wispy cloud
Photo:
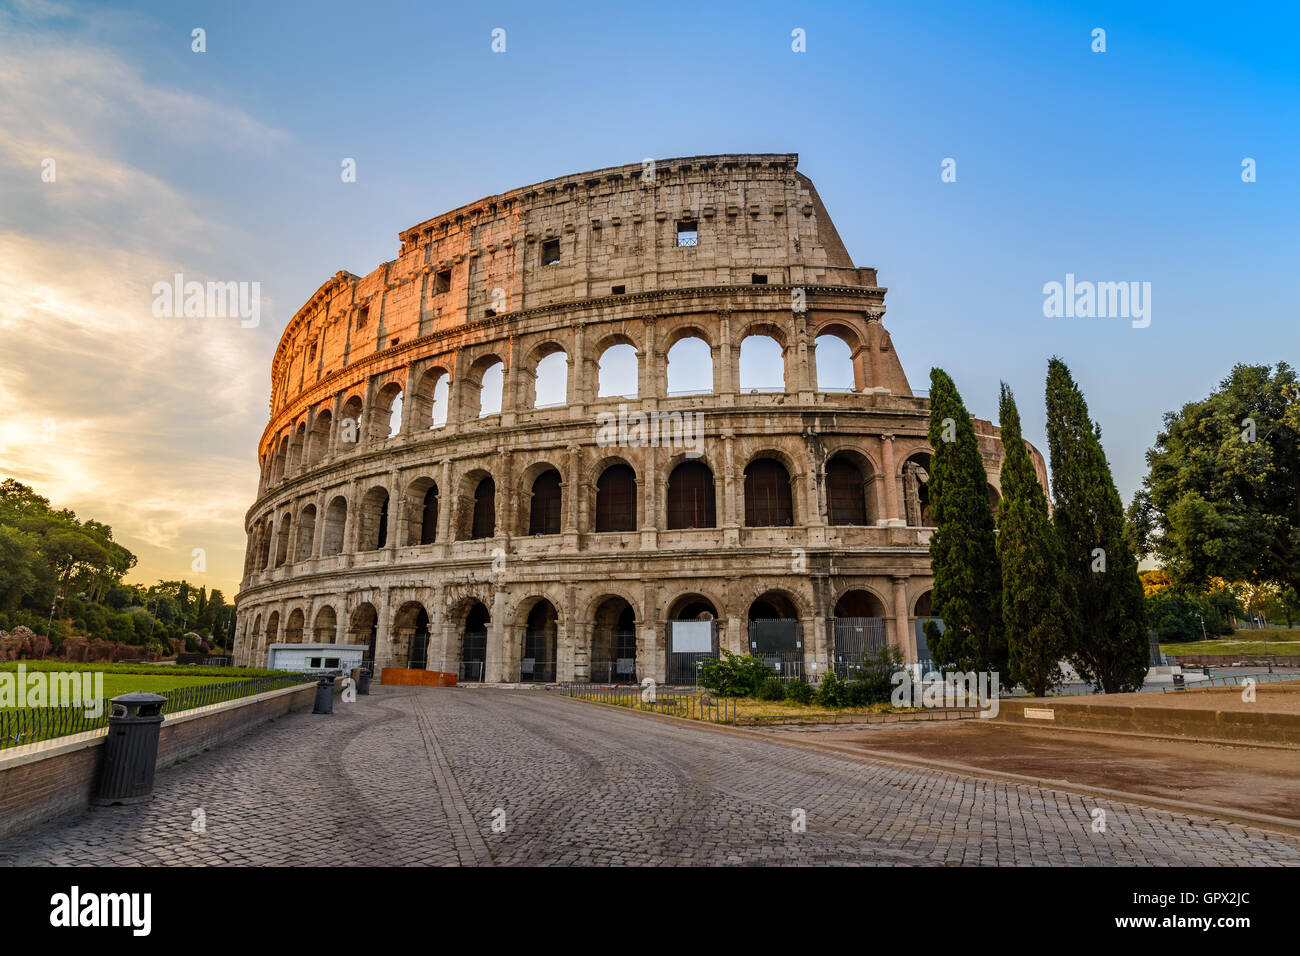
column 106, row 408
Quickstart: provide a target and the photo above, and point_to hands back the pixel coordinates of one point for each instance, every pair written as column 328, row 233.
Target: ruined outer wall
column 469, row 288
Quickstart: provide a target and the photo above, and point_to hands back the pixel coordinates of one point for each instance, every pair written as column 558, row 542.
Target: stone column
column 496, row 640
column 893, row 509
column 725, row 375
column 904, row 637
column 446, row 497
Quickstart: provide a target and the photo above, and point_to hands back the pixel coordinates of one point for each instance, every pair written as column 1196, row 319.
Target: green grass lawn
column 1244, row 643
column 153, row 678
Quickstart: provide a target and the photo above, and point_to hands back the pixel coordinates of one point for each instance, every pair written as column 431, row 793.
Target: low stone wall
column 1230, row 724
column 1225, row 660
column 44, row 780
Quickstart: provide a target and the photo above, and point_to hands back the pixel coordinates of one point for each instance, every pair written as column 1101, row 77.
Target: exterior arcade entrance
column 775, row 633
column 541, row 631
column 857, row 631
column 692, row 637
column 613, row 642
column 473, row 645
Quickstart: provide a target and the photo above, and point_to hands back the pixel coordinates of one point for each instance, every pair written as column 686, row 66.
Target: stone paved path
column 420, row 775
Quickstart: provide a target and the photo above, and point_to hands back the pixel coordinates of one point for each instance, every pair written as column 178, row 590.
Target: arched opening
column 386, row 414
column 769, row 502
column 692, row 638
column 350, row 423
column 762, row 365
column 411, row 635
column 257, row 653
column 775, row 633
column 923, row 612
column 616, row 499
column 336, row 519
column 995, row 502
column 319, row 442
column 297, row 448
column 326, row 627
column 834, row 360
column 541, row 636
column 282, row 540
column 421, row 512
column 293, row 629
column 281, row 455
column 857, row 631
column 473, row 644
column 363, row 629
column 690, row 367
column 551, row 386
column 491, row 381
column 265, row 535
column 618, row 371
column 374, row 520
column 484, row 524
column 846, row 492
column 916, row 490
column 544, row 511
column 690, row 497
column 430, row 398
column 613, row 642
column 272, row 630
column 306, row 532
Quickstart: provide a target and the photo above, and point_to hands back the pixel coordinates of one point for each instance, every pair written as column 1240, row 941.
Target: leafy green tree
column 1110, row 647
column 1222, row 498
column 19, row 558
column 967, row 592
column 1038, row 600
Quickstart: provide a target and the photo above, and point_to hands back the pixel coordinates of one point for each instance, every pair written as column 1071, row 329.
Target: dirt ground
column 1252, row 779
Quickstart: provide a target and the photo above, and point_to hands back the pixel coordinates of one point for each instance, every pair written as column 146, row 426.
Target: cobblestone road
column 420, row 776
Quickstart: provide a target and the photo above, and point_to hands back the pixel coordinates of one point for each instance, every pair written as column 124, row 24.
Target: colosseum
column 540, row 444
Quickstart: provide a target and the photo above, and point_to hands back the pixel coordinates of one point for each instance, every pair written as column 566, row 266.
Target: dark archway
column 541, row 637
column 690, row 497
column 613, row 642
column 616, row 499
column 545, row 509
column 768, row 499
column 473, row 644
column 485, row 509
column 846, row 499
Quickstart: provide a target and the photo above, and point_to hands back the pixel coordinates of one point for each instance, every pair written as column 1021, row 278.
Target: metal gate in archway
column 854, row 640
column 688, row 644
column 780, row 643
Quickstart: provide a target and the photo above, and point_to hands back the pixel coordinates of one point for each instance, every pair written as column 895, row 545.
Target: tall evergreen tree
column 967, row 591
column 1111, row 643
column 1038, row 600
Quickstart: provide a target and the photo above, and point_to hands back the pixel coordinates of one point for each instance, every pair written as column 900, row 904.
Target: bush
column 833, row 691
column 799, row 691
column 734, row 675
column 771, row 689
column 873, row 683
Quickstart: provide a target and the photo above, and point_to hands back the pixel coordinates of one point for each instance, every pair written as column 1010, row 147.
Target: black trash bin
column 363, row 681
column 130, row 750
column 324, row 695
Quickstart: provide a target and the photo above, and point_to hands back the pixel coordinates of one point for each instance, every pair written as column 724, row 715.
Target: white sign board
column 692, row 637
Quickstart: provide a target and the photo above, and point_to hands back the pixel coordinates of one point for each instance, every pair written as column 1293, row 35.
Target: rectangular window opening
column 551, row 252
column 442, row 281
column 619, row 290
column 688, row 233
column 363, row 316
column 757, row 279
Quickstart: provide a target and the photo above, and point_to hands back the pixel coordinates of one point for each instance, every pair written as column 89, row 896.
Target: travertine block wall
column 472, row 288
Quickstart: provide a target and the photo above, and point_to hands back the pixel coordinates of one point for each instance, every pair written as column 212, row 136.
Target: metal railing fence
column 26, row 725
column 691, row 705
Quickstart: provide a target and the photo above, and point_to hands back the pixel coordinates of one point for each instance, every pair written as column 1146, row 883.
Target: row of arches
column 689, row 370
column 690, row 500
column 607, row 645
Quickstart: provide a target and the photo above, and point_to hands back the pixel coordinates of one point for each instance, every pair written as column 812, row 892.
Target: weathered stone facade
column 452, row 536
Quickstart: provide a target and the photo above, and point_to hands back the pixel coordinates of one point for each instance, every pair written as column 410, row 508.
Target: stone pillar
column 875, row 328
column 725, row 374
column 904, row 637
column 446, row 496
column 383, row 627
column 571, row 495
column 893, row 509
column 496, row 640
column 397, row 516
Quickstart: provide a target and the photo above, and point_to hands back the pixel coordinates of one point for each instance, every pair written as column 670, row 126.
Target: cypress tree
column 967, row 591
column 1038, row 611
column 1111, row 642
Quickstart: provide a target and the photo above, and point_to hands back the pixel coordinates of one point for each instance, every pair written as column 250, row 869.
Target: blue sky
column 1115, row 166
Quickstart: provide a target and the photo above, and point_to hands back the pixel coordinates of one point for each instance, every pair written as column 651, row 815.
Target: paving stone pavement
column 420, row 776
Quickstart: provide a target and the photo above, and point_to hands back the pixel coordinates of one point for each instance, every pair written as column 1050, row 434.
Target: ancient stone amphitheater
column 528, row 448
